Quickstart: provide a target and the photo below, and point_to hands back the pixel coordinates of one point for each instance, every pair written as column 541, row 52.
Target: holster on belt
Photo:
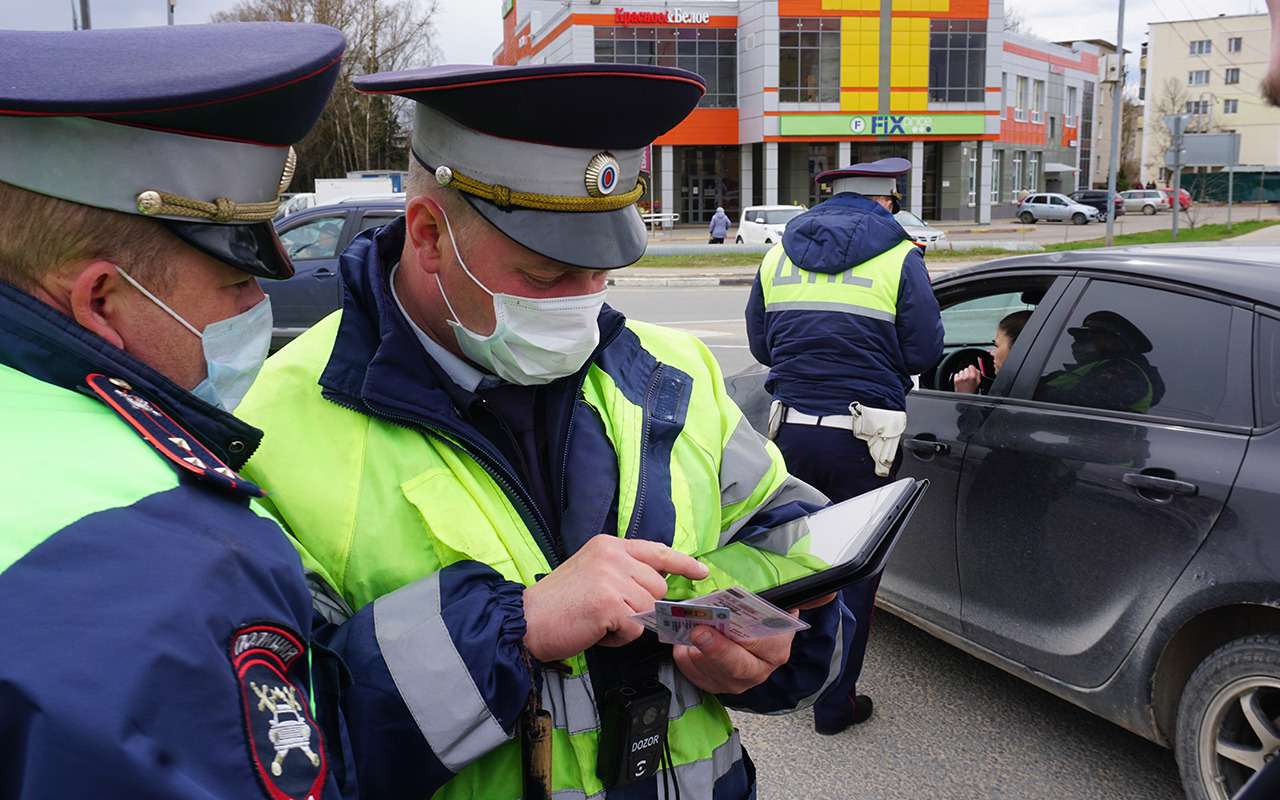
column 882, row 430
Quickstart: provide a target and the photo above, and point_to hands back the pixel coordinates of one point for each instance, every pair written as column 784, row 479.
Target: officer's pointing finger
column 664, row 559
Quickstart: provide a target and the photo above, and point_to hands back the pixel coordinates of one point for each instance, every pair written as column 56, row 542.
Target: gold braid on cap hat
column 503, row 197
column 221, row 209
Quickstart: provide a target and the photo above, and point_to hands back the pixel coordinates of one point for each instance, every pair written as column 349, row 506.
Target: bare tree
column 1173, row 99
column 356, row 131
column 1015, row 21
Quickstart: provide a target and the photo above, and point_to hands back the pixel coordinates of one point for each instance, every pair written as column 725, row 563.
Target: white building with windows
column 1210, row 68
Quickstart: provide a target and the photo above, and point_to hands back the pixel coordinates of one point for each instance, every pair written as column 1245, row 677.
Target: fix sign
column 672, row 16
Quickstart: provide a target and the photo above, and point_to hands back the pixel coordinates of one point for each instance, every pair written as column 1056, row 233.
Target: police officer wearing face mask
column 158, row 626
column 505, row 470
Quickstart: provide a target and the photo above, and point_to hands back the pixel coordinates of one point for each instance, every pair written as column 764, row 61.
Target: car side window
column 1268, row 369
column 1142, row 350
column 315, row 238
column 1058, row 201
column 376, row 221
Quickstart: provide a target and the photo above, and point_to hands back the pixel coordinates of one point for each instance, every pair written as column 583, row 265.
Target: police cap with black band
column 137, row 121
column 548, row 154
column 872, row 178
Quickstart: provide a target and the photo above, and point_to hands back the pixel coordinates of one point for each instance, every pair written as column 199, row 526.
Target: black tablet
column 854, row 537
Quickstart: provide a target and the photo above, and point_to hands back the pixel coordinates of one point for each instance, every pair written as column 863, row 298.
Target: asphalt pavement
column 947, row 726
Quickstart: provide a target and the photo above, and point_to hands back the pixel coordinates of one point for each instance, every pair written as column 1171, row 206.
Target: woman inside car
column 1007, row 330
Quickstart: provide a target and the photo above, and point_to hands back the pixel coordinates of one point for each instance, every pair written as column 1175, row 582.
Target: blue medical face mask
column 234, row 349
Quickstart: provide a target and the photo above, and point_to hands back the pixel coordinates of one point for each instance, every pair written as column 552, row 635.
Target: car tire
column 1242, row 673
column 1148, row 209
column 1079, row 219
column 1026, row 219
column 738, row 240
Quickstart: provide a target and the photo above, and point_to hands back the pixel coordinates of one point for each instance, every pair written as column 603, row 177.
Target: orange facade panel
column 704, row 126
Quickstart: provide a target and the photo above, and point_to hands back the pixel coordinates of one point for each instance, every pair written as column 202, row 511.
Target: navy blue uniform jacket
column 821, row 361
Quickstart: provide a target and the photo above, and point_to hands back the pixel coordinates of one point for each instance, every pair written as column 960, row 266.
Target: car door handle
column 1159, row 484
column 926, row 445
column 322, row 273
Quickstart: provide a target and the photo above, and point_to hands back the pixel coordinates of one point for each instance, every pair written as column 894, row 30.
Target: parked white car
column 919, row 230
column 1148, row 201
column 765, row 224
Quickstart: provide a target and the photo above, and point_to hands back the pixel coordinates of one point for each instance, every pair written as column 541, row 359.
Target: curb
column 684, row 280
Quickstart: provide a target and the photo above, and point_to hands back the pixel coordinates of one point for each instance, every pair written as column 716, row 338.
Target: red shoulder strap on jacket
column 168, row 438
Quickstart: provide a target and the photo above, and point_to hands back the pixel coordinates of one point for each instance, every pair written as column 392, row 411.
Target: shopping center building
column 795, row 87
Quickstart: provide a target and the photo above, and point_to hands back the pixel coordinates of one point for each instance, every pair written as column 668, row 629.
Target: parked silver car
column 1148, row 201
column 1054, row 207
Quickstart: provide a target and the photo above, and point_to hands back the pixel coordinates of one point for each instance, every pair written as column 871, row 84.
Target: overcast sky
column 469, row 30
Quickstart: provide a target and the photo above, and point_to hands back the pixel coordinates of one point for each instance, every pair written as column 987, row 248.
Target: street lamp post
column 84, row 15
column 170, row 4
column 1117, row 108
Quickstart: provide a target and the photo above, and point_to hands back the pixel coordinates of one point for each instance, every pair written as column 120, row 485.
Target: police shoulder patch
column 168, row 438
column 285, row 743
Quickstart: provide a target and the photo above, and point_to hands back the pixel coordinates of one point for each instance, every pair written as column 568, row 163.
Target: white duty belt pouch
column 882, row 430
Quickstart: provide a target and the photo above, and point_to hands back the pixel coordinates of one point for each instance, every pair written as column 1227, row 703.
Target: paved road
column 1048, row 232
column 947, row 726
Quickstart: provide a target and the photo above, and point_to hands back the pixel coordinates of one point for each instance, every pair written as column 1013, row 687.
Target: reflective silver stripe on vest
column 792, row 489
column 833, row 673
column 684, row 695
column 431, row 675
column 697, row 778
column 826, row 305
column 744, row 463
column 571, row 701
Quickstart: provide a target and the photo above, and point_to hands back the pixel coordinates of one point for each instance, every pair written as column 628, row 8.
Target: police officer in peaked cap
column 843, row 314
column 158, row 625
column 517, row 469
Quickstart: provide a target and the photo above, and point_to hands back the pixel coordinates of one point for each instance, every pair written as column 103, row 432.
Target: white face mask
column 234, row 349
column 534, row 341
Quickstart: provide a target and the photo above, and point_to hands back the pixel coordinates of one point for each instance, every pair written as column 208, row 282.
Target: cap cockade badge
column 602, row 175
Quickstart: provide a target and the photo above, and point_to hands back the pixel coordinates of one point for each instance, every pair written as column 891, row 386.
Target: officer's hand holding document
column 790, row 566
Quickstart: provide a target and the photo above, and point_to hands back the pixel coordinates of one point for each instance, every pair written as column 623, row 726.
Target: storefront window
column 706, row 178
column 809, row 60
column 957, row 60
column 710, row 52
column 1033, row 172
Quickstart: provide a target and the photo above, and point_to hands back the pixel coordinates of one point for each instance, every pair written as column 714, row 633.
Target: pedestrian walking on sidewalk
column 719, row 226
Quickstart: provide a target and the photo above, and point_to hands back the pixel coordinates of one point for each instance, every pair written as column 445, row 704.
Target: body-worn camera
column 633, row 732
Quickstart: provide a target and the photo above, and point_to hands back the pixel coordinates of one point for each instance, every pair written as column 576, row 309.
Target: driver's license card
column 738, row 614
column 675, row 621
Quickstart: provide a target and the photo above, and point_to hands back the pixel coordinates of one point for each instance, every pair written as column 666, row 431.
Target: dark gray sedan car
column 314, row 239
column 1103, row 515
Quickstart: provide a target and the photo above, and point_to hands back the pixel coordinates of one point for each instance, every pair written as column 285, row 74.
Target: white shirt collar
column 459, row 371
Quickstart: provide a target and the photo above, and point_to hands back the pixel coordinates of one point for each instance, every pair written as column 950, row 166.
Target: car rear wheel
column 1148, row 209
column 1026, row 219
column 1229, row 717
column 1079, row 219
